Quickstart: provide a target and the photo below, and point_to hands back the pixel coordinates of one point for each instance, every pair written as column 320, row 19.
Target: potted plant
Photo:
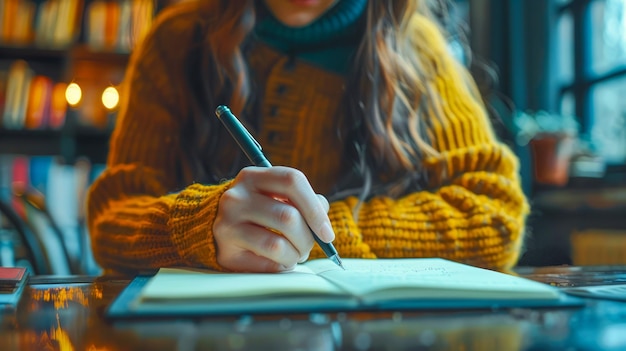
column 552, row 140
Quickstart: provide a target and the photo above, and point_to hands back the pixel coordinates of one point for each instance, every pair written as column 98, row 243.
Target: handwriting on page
column 398, row 273
column 380, row 274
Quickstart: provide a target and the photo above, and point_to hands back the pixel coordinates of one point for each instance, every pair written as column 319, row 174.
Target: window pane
column 609, row 119
column 566, row 48
column 608, row 41
column 568, row 105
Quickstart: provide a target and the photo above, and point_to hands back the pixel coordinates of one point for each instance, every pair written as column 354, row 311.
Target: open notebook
column 319, row 285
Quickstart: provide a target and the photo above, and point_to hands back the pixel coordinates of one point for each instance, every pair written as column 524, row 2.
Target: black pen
column 253, row 151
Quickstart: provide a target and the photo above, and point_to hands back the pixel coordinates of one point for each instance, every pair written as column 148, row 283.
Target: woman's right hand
column 263, row 220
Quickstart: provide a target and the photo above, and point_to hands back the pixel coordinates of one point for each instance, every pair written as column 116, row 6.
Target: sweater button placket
column 281, row 89
column 273, row 137
column 273, row 111
column 276, row 136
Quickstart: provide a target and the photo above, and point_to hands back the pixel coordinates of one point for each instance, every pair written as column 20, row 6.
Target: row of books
column 117, row 25
column 48, row 23
column 60, row 189
column 112, row 25
column 29, row 100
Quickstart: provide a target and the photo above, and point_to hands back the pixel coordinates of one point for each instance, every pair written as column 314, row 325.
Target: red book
column 11, row 275
column 12, row 282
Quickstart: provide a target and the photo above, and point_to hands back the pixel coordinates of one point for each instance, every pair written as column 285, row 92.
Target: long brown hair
column 388, row 94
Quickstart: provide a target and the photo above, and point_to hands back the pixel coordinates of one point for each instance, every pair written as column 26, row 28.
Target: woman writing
column 380, row 142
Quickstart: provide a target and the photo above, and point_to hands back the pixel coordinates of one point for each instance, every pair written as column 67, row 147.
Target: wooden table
column 67, row 314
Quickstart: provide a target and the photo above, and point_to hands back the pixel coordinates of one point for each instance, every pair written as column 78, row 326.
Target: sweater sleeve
column 474, row 209
column 137, row 218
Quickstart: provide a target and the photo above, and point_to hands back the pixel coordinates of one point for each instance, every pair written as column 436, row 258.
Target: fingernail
column 327, row 233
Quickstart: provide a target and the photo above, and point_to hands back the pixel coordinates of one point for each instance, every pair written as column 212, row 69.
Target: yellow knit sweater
column 145, row 210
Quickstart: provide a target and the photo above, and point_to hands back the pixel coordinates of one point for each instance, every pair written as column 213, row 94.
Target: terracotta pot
column 551, row 158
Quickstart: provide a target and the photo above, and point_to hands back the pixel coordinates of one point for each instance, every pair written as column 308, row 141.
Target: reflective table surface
column 68, row 314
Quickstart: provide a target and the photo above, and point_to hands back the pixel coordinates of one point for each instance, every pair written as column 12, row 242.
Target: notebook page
column 427, row 278
column 177, row 284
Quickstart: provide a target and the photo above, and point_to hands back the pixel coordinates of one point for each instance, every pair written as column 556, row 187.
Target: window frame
column 584, row 78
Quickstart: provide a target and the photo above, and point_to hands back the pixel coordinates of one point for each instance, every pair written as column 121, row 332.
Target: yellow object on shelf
column 598, row 247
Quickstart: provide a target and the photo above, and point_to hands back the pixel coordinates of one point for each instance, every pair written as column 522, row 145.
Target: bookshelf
column 68, row 143
column 54, row 141
column 32, row 53
column 77, row 136
column 87, row 42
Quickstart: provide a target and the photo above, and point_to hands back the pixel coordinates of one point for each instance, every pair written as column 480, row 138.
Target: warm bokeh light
column 110, row 98
column 73, row 94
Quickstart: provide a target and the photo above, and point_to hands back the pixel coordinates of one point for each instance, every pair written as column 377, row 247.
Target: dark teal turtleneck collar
column 329, row 42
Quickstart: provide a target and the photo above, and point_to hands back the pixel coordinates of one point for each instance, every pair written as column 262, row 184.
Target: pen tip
column 337, row 260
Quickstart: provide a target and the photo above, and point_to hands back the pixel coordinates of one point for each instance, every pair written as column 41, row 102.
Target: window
column 592, row 72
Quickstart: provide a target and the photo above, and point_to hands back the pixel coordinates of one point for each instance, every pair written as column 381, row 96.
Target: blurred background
column 552, row 71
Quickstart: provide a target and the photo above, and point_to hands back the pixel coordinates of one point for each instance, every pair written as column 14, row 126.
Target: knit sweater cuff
column 348, row 240
column 191, row 222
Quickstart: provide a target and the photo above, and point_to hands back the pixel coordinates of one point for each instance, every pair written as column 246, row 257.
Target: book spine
column 38, row 102
column 125, row 26
column 18, row 86
column 111, row 24
column 4, row 78
column 96, row 19
column 58, row 106
column 8, row 20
